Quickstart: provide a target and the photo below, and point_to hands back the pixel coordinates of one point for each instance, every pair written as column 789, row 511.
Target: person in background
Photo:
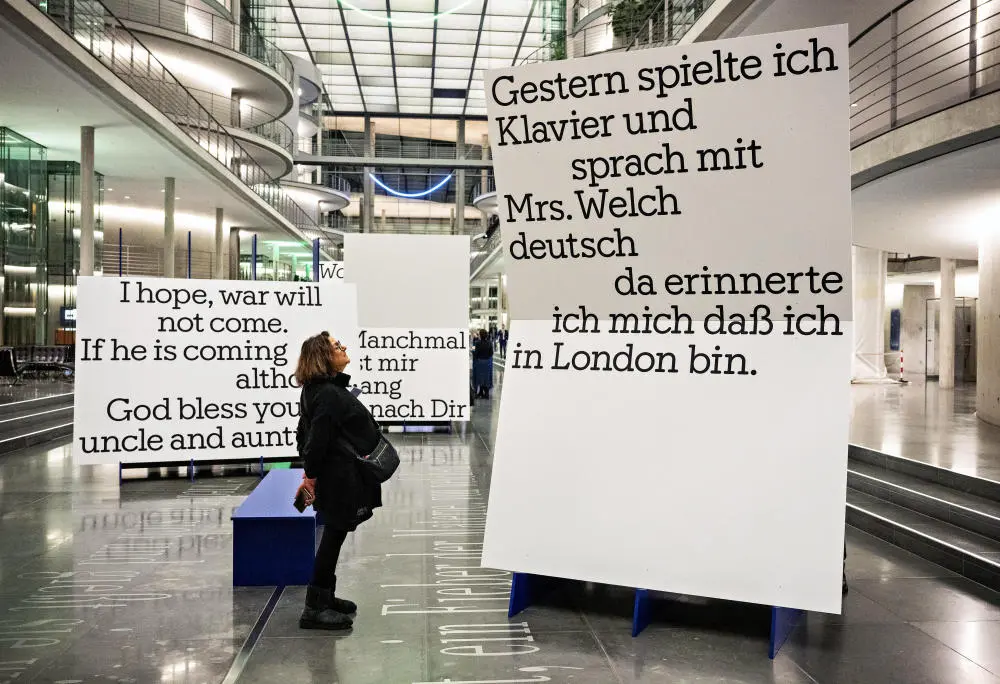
column 482, row 365
column 503, row 343
column 333, row 428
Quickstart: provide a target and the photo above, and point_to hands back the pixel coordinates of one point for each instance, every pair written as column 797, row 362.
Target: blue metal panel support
column 640, row 612
column 253, row 258
column 783, row 623
column 315, row 272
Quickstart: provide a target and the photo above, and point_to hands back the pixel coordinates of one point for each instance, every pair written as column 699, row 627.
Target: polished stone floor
column 922, row 422
column 132, row 585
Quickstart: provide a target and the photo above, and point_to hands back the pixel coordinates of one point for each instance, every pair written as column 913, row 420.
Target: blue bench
column 273, row 544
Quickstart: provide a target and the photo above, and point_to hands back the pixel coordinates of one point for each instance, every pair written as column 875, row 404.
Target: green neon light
column 388, row 20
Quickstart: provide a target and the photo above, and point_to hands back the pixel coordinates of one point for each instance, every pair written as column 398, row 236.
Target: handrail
column 243, row 116
column 396, row 149
column 336, row 182
column 204, row 25
column 905, row 66
column 665, row 23
column 103, row 35
column 491, row 186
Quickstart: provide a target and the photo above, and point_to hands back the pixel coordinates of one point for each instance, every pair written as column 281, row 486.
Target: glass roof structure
column 410, row 56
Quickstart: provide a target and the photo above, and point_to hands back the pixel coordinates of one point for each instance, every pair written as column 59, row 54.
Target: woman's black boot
column 319, row 613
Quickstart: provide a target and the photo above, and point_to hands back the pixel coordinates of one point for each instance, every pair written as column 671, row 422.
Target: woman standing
column 482, row 365
column 333, row 428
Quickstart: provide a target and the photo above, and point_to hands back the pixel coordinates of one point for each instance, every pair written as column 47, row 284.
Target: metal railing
column 238, row 114
column 144, row 260
column 481, row 188
column 91, row 25
column 636, row 25
column 395, row 149
column 205, row 25
column 336, row 182
column 483, row 250
column 918, row 60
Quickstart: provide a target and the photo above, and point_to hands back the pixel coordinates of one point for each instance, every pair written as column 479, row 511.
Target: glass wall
column 63, row 246
column 23, row 218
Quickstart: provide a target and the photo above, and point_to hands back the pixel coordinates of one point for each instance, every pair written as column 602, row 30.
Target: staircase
column 946, row 517
column 35, row 421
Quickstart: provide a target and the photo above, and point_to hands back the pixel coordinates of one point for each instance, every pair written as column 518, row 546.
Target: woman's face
column 340, row 357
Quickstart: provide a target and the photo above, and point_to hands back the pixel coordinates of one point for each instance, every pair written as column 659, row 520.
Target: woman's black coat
column 334, row 427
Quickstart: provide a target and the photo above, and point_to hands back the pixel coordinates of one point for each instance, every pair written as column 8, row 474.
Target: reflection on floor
column 919, row 421
column 133, row 585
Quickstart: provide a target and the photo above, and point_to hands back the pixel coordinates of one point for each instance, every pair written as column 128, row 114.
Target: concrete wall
column 769, row 16
column 913, row 336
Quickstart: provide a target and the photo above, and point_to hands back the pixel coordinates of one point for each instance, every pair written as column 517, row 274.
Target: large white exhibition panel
column 676, row 225
column 172, row 370
column 411, row 358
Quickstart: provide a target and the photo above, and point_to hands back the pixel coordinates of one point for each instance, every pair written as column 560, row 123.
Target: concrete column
column 234, row 253
column 484, row 173
column 913, row 333
column 275, row 261
column 381, row 225
column 87, row 200
column 220, row 264
column 946, row 330
column 870, row 269
column 368, row 201
column 988, row 330
column 235, row 115
column 168, row 227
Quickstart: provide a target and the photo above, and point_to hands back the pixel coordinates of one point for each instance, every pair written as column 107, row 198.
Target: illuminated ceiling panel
column 410, row 56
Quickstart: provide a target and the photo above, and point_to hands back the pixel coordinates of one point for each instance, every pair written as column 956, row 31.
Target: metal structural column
column 169, row 252
column 571, row 26
column 87, row 200
column 946, row 331
column 368, row 201
column 460, row 179
column 234, row 253
column 220, row 261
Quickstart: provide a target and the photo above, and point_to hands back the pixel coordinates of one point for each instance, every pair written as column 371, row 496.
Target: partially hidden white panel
column 409, row 281
column 411, row 358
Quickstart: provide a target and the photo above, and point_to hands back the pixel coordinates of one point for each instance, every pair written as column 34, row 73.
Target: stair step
column 970, row 484
column 30, row 435
column 967, row 511
column 15, row 408
column 971, row 555
column 35, row 421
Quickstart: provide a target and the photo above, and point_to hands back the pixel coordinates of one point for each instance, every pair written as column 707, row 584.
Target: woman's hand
column 307, row 489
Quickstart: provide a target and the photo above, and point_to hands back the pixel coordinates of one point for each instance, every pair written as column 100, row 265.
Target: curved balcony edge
column 486, row 202
column 962, row 125
column 219, row 51
column 333, row 199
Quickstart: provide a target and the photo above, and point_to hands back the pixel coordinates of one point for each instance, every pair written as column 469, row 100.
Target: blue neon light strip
column 410, row 195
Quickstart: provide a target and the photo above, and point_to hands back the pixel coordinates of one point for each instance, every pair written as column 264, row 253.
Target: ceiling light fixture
column 423, row 20
column 410, row 195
